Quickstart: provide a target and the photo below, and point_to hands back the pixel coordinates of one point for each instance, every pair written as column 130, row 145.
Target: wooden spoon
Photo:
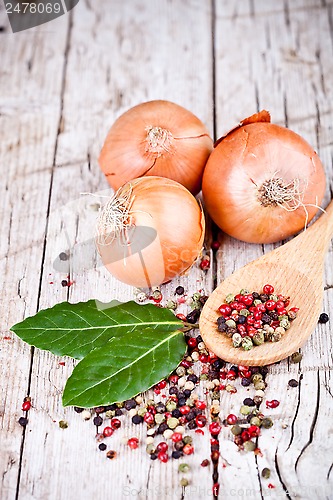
column 295, row 270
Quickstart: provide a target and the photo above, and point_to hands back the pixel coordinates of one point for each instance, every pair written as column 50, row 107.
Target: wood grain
column 62, row 86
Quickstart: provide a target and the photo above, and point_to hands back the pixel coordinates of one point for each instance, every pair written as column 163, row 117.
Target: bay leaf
column 124, row 367
column 75, row 329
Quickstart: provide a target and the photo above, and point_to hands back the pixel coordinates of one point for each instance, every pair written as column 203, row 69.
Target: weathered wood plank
column 147, row 33
column 29, row 107
column 280, row 56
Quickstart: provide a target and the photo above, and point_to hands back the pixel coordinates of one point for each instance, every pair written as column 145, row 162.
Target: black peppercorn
column 118, row 412
column 181, row 401
column 199, row 339
column 112, row 407
column 137, row 419
column 255, row 295
column 192, row 425
column 23, row 421
column 293, row 383
column 78, row 410
column 190, row 416
column 248, row 402
column 179, row 445
column 193, row 316
column 263, row 370
column 102, row 446
column 173, row 390
column 323, row 318
column 177, row 454
column 263, row 297
column 266, row 319
column 218, row 364
column 161, row 428
column 176, row 413
column 241, row 320
column 192, row 378
column 160, row 408
column 245, row 382
column 187, row 393
column 64, row 283
column 153, row 456
column 130, row 404
column 179, row 290
column 98, row 421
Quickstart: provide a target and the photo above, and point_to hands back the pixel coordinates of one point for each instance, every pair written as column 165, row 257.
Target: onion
column 151, row 231
column 156, row 138
column 262, row 182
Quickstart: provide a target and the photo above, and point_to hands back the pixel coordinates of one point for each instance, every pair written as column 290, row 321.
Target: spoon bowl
column 296, row 271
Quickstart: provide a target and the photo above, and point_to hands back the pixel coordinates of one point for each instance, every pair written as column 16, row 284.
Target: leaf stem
column 189, row 326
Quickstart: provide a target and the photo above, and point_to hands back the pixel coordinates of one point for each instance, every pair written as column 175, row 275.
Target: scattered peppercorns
column 323, row 318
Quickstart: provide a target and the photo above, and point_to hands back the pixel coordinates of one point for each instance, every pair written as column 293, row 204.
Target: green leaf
column 124, row 367
column 75, row 329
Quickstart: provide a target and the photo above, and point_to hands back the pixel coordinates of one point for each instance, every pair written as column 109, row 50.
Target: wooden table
column 62, row 86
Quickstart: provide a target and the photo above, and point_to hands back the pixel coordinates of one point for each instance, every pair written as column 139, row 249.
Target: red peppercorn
column 215, row 245
column 162, row 384
column 167, row 415
column 200, row 420
column 188, row 449
column 26, row 406
column 270, row 305
column 192, row 342
column 149, row 418
column 162, row 446
column 279, row 304
column 231, row 375
column 180, row 316
column 250, row 319
column 203, row 358
column 186, row 364
column 239, row 297
column 251, row 330
column 173, row 379
column 163, row 457
column 261, row 307
column 257, row 315
column 205, row 264
column 176, row 436
column 257, row 324
column 115, row 423
column 241, row 329
column 232, row 419
column 245, row 436
column 248, row 299
column 253, row 430
column 200, row 404
column 223, row 375
column 184, row 410
column 205, row 463
column 108, row 431
column 282, row 312
column 225, row 309
column 215, row 428
column 157, row 391
column 243, row 368
column 133, row 443
column 272, row 404
column 294, row 309
column 268, row 289
column 152, row 409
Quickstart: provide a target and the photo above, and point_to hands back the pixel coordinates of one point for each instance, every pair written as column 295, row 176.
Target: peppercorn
column 98, row 421
column 249, row 446
column 184, row 468
column 176, row 454
column 247, row 343
column 266, row 473
column 129, row 404
column 293, row 383
column 102, row 446
column 258, row 338
column 266, row 423
column 245, row 382
column 323, row 318
column 77, row 409
column 248, row 402
column 236, row 430
column 23, row 421
column 153, row 456
column 111, row 454
column 296, row 357
column 179, row 445
column 137, row 419
column 161, row 428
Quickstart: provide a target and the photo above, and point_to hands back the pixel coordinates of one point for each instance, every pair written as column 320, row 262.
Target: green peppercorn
column 183, row 468
column 244, row 291
column 196, row 296
column 110, row 414
column 255, row 421
column 63, row 424
column 247, row 343
column 159, row 418
column 231, row 323
column 180, row 371
column 190, row 402
column 266, row 422
column 203, row 376
column 296, row 357
column 249, row 446
column 187, row 439
column 256, row 302
column 142, row 411
column 172, row 422
column 256, row 377
column 237, row 340
column 183, row 482
column 171, row 405
column 236, row 430
column 258, row 338
column 245, row 410
column 275, row 336
column 258, row 400
column 229, row 298
column 260, row 385
column 285, row 323
column 172, row 304
column 244, row 312
column 266, row 473
column 150, row 448
column 215, row 395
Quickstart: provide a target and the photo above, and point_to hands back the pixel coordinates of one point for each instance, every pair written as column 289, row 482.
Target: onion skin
column 180, row 155
column 238, row 167
column 170, row 209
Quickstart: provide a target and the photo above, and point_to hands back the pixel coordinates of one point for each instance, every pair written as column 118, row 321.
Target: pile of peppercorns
column 250, row 319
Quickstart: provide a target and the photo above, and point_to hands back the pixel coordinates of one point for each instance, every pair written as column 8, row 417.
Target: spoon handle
column 324, row 225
